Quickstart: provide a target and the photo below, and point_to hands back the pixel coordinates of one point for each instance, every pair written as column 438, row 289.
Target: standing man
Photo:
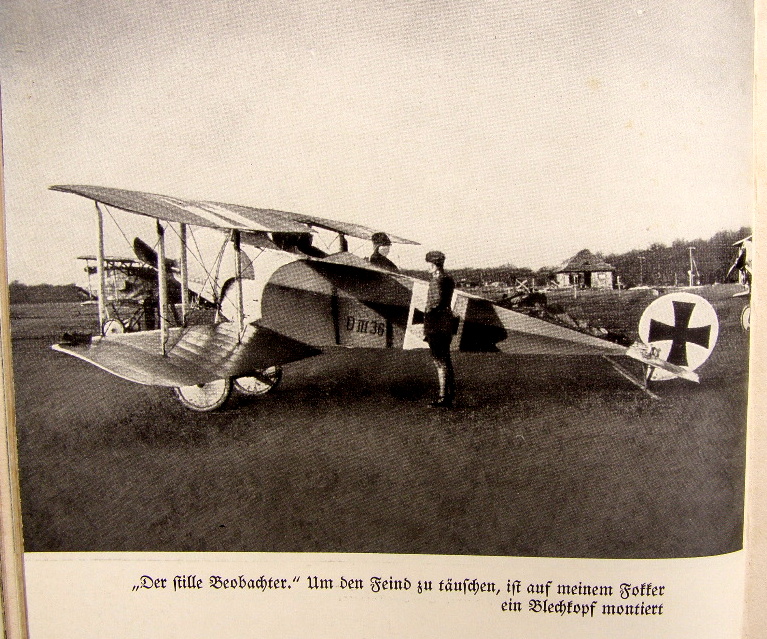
column 438, row 326
column 381, row 247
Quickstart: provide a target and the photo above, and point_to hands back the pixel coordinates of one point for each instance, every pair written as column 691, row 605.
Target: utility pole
column 641, row 270
column 692, row 266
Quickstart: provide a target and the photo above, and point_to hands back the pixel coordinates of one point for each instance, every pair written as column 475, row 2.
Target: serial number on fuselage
column 369, row 327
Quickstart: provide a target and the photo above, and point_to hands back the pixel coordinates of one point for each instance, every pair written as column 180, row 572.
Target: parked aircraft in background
column 743, row 268
column 130, row 289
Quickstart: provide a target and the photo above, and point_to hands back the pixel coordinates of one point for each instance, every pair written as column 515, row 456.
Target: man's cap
column 436, row 257
column 381, row 239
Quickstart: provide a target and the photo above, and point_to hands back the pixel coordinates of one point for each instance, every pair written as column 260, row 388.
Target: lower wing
column 194, row 355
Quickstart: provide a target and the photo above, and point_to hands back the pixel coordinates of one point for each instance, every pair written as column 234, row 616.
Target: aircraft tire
column 745, row 318
column 267, row 381
column 112, row 327
column 203, row 398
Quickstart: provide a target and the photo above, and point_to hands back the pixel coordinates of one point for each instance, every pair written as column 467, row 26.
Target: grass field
column 542, row 457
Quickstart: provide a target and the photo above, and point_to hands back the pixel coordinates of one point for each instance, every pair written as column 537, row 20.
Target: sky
column 501, row 132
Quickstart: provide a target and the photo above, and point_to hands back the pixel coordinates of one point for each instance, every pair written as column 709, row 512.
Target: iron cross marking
column 680, row 333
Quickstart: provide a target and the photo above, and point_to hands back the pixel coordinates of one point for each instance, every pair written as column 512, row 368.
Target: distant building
column 585, row 270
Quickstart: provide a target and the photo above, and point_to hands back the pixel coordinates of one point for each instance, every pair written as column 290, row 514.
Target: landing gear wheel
column 745, row 318
column 266, row 381
column 112, row 327
column 204, row 398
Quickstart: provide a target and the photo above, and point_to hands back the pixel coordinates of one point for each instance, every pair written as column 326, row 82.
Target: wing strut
column 100, row 269
column 162, row 283
column 238, row 279
column 184, row 276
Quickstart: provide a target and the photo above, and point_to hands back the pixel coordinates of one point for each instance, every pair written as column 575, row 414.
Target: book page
column 223, row 407
column 755, row 541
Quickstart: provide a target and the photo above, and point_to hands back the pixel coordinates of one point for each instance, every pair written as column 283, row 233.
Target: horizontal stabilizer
column 487, row 327
column 643, row 353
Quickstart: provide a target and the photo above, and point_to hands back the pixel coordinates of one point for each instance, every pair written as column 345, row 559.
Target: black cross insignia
column 680, row 333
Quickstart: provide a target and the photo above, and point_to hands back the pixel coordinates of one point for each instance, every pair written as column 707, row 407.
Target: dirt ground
column 542, row 456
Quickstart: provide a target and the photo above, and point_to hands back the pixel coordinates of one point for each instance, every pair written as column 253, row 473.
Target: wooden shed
column 585, row 270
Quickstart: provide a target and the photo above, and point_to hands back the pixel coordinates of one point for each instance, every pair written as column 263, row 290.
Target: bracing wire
column 219, row 261
column 216, row 263
column 196, row 256
column 210, row 276
column 119, row 228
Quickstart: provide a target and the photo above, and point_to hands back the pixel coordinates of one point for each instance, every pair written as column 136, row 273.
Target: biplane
column 130, row 289
column 281, row 299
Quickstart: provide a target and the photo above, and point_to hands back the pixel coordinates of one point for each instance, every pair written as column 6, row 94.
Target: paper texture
column 503, row 133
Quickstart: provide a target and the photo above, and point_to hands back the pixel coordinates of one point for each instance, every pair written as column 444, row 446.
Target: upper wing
column 347, row 228
column 199, row 213
column 217, row 214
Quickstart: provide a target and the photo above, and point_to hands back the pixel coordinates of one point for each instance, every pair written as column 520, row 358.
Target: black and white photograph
column 420, row 277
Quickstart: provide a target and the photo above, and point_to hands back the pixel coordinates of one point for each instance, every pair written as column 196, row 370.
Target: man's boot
column 443, row 401
column 449, row 383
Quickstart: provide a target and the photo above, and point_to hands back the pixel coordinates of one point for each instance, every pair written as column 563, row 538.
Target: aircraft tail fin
column 677, row 334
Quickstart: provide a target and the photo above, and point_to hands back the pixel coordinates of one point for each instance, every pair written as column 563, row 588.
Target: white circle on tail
column 683, row 328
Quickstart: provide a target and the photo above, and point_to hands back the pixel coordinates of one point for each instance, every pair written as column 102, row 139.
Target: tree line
column 42, row 293
column 661, row 265
column 658, row 265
